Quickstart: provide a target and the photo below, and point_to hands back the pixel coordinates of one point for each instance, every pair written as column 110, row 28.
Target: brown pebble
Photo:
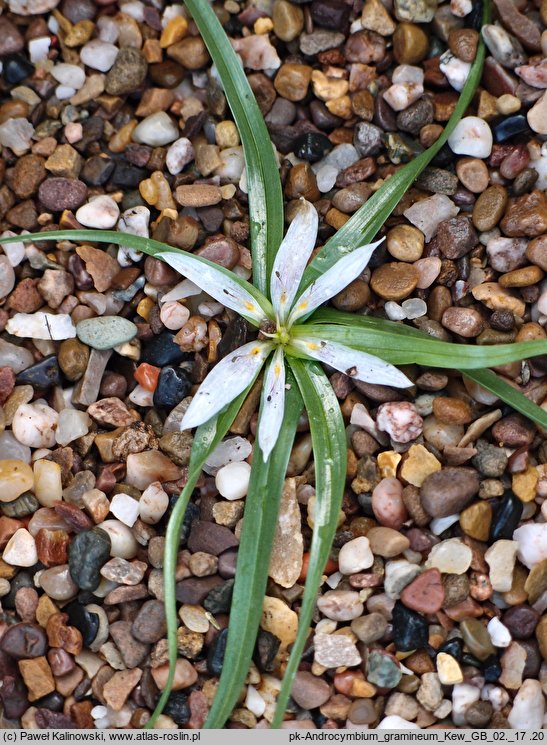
column 452, row 410
column 463, row 43
column 394, row 281
column 489, row 207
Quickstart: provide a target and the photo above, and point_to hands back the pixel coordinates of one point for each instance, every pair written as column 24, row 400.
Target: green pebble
column 105, row 332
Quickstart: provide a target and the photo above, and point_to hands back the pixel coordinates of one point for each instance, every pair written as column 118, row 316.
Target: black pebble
column 511, row 126
column 41, row 375
column 507, row 514
column 53, row 702
column 410, row 629
column 215, row 658
column 266, row 648
column 162, row 350
column 88, row 552
column 16, row 68
column 177, row 707
column 453, row 647
column 85, row 621
column 173, row 386
column 312, row 146
column 491, row 669
column 220, row 598
column 127, row 175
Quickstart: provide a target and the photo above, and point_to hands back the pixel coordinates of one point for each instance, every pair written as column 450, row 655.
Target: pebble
column 156, row 130
column 99, row 55
column 428, row 213
column 450, row 557
column 287, row 550
column 127, row 74
column 448, row 491
column 385, row 542
column 394, row 281
column 41, row 326
column 471, row 136
column 425, row 594
column 448, row 670
column 476, row 638
column 410, row 629
column 340, row 605
column 309, row 691
column 24, row 641
column 105, row 332
column 532, row 543
column 20, row 550
column 383, row 670
column 16, row 477
column 355, row 556
column 370, row 627
column 34, row 425
column 102, row 212
column 528, row 707
column 537, row 115
column 153, row 503
column 388, row 504
column 88, row 552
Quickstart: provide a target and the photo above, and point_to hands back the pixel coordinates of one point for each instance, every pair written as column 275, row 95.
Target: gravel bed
column 432, row 613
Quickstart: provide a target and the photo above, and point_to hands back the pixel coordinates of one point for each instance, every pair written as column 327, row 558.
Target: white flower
column 283, row 327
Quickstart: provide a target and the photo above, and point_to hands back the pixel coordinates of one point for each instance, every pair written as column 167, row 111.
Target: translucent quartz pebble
column 18, row 358
column 11, row 449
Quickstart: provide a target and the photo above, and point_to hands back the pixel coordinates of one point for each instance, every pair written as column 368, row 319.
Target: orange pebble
column 147, row 376
column 330, row 567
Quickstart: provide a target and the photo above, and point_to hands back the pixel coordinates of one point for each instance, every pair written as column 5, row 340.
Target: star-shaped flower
column 283, row 330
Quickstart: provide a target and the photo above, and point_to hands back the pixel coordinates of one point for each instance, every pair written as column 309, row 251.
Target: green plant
column 293, row 380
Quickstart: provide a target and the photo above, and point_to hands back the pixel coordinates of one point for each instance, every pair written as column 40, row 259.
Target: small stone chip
column 37, row 676
column 335, row 650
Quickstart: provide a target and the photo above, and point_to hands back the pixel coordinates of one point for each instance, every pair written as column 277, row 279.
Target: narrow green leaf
column 366, row 222
column 486, row 378
column 206, row 438
column 253, row 560
column 330, row 459
column 400, row 349
column 145, row 245
column 511, row 396
column 263, row 181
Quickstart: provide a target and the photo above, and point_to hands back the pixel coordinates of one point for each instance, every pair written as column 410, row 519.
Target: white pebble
column 532, row 540
column 135, row 221
column 450, row 557
column 180, row 153
column 400, row 95
column 123, row 541
column 156, row 130
column 414, row 308
column 41, row 326
column 141, row 396
column 38, row 49
column 463, row 695
column 232, row 164
column 461, row 8
column 34, row 425
column 20, row 550
column 102, row 213
column 426, row 214
column 11, row 449
column 153, row 503
column 254, row 702
column 394, row 721
column 232, row 450
column 232, row 480
column 125, row 509
column 7, row 277
column 107, row 29
column 408, row 74
column 394, row 311
column 326, row 178
column 355, row 555
column 471, row 136
column 499, row 633
column 14, row 251
column 439, row 524
column 528, row 707
column 71, row 425
column 63, row 92
column 70, row 75
column 455, row 70
column 99, row 55
column 16, row 134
